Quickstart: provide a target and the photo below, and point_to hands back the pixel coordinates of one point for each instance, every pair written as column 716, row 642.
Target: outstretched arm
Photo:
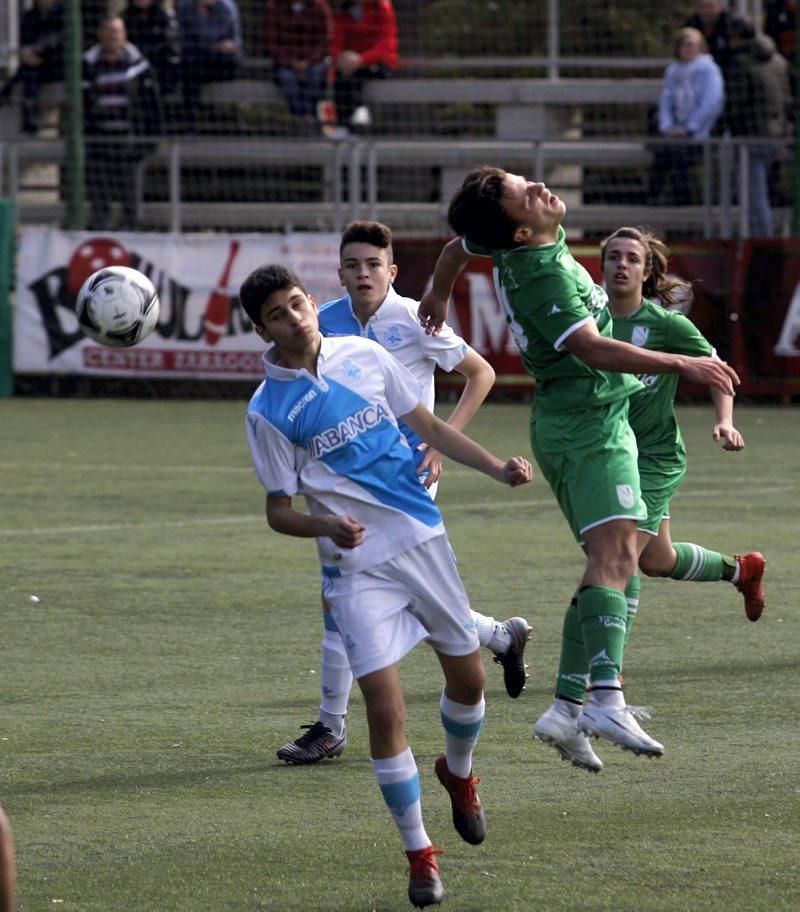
column 449, row 266
column 457, row 446
column 604, row 353
column 479, row 376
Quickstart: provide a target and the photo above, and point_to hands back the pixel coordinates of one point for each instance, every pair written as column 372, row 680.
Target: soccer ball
column 117, row 306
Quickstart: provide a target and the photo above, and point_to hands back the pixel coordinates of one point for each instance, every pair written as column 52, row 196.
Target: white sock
column 336, row 679
column 567, row 707
column 491, row 633
column 462, row 725
column 608, row 694
column 484, row 627
column 333, row 721
column 398, row 778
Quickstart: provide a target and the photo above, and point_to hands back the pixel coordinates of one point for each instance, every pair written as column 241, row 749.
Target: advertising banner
column 201, row 333
column 769, row 315
column 746, row 302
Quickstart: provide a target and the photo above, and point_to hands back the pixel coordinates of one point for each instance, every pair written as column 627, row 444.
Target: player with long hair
column 643, row 299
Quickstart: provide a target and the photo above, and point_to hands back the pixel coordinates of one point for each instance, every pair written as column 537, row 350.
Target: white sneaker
column 618, row 726
column 560, row 731
column 361, row 117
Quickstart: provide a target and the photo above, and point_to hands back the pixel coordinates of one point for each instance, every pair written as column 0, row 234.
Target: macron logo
column 334, row 437
column 301, row 404
column 555, row 310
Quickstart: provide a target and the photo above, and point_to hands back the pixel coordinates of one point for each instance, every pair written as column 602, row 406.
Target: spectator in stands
column 780, row 23
column 121, row 103
column 758, row 103
column 364, row 47
column 153, row 28
column 210, row 48
column 41, row 57
column 692, row 98
column 713, row 20
column 296, row 35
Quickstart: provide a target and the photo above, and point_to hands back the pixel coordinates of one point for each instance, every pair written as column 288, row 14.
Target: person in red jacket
column 364, row 46
column 296, row 35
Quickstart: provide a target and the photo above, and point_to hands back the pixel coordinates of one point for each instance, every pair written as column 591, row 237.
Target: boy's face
column 366, row 272
column 531, row 205
column 289, row 318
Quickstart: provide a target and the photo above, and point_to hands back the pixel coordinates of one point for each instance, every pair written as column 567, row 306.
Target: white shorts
column 383, row 613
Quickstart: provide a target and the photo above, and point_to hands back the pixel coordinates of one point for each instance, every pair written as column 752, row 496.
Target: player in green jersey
column 579, row 431
column 634, row 264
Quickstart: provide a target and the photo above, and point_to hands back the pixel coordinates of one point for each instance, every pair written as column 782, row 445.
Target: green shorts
column 660, row 479
column 588, row 458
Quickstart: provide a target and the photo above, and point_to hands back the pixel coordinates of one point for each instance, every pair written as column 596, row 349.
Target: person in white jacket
column 692, row 99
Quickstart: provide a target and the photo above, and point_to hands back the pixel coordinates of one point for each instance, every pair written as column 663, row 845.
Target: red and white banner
column 746, row 302
column 202, row 332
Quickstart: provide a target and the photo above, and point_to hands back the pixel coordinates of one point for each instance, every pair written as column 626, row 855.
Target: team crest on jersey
column 393, row 337
column 351, row 370
column 640, row 334
column 625, row 496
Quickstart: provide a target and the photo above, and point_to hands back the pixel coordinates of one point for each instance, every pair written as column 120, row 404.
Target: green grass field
column 174, row 646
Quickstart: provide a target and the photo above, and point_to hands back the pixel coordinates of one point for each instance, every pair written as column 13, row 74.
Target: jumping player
column 579, row 430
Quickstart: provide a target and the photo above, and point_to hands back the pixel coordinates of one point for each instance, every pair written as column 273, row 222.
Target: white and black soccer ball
column 117, row 306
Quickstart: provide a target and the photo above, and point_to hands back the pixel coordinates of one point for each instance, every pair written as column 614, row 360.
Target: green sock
column 632, row 591
column 572, row 669
column 702, row 566
column 602, row 614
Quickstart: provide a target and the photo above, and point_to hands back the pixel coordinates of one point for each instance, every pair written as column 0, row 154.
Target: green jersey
column 547, row 295
column 652, row 412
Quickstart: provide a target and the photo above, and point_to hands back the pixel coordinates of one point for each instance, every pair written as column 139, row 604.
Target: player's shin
column 602, row 613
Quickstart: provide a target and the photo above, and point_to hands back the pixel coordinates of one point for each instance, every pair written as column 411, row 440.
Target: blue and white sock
column 462, row 725
column 398, row 778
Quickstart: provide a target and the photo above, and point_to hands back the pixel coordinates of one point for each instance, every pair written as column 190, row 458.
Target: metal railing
column 354, row 174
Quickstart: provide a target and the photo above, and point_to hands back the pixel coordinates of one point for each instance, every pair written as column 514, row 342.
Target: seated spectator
column 120, row 97
column 296, row 35
column 692, row 98
column 210, row 48
column 758, row 103
column 153, row 29
column 364, row 47
column 41, row 57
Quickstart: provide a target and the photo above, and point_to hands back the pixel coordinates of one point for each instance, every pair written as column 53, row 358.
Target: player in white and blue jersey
column 324, row 424
column 373, row 309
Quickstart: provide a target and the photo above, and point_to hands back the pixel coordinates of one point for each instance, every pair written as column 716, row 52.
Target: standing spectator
column 153, row 28
column 41, row 57
column 692, row 98
column 296, row 35
column 364, row 47
column 758, row 105
column 120, row 103
column 210, row 48
column 714, row 20
column 780, row 23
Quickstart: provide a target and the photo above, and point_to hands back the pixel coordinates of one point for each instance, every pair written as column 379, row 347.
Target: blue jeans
column 759, row 161
column 302, row 94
